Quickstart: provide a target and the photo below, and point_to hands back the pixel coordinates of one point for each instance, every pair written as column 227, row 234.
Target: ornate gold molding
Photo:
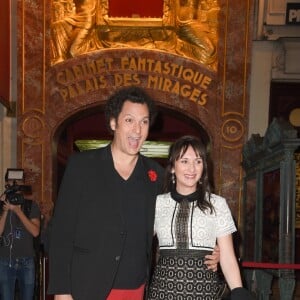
column 189, row 29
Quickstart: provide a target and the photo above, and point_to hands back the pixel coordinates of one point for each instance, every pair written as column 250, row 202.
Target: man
column 102, row 228
column 19, row 224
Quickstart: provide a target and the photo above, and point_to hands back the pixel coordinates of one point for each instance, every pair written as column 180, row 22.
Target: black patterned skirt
column 182, row 275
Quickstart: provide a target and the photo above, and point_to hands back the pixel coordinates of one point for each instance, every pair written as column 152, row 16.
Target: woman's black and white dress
column 185, row 235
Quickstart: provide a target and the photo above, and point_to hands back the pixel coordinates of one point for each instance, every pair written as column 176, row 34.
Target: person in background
column 102, row 226
column 189, row 220
column 19, row 225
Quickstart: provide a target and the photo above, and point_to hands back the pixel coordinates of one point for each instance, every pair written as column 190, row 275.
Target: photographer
column 19, row 224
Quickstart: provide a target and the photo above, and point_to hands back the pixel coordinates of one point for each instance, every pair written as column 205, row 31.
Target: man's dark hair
column 133, row 94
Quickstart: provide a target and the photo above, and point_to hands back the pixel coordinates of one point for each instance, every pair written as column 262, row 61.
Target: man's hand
column 14, row 208
column 213, row 259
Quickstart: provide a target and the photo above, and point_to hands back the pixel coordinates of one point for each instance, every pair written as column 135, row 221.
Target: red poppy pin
column 152, row 175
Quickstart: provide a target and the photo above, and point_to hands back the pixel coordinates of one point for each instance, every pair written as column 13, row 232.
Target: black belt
column 184, row 252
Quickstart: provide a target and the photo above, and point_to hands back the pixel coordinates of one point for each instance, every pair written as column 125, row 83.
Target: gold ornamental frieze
column 33, row 127
column 232, row 130
column 188, row 28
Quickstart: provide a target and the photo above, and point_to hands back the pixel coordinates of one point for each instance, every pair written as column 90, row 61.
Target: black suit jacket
column 87, row 232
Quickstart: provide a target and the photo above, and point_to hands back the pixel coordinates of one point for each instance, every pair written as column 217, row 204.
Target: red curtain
column 5, row 52
column 131, row 8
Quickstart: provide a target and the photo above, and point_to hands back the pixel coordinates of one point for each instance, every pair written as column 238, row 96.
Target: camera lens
column 16, row 199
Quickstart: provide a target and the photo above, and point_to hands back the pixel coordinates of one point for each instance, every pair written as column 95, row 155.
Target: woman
column 189, row 220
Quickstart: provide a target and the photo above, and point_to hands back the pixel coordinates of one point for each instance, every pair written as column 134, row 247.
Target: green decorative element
column 258, row 148
column 249, row 277
column 269, row 203
column 263, row 283
column 287, row 286
column 156, row 149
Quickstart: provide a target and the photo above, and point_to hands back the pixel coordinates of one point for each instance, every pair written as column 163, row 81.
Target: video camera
column 14, row 191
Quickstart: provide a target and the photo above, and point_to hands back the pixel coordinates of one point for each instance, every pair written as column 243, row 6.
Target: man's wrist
column 241, row 293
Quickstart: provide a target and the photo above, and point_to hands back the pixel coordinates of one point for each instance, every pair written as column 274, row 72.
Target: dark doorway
column 90, row 125
column 285, row 102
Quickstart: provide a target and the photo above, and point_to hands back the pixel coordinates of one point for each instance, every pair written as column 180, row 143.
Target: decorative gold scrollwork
column 72, row 29
column 187, row 27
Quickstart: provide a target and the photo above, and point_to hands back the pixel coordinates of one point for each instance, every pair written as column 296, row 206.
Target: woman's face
column 188, row 170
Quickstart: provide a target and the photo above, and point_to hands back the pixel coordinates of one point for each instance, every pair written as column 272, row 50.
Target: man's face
column 131, row 128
